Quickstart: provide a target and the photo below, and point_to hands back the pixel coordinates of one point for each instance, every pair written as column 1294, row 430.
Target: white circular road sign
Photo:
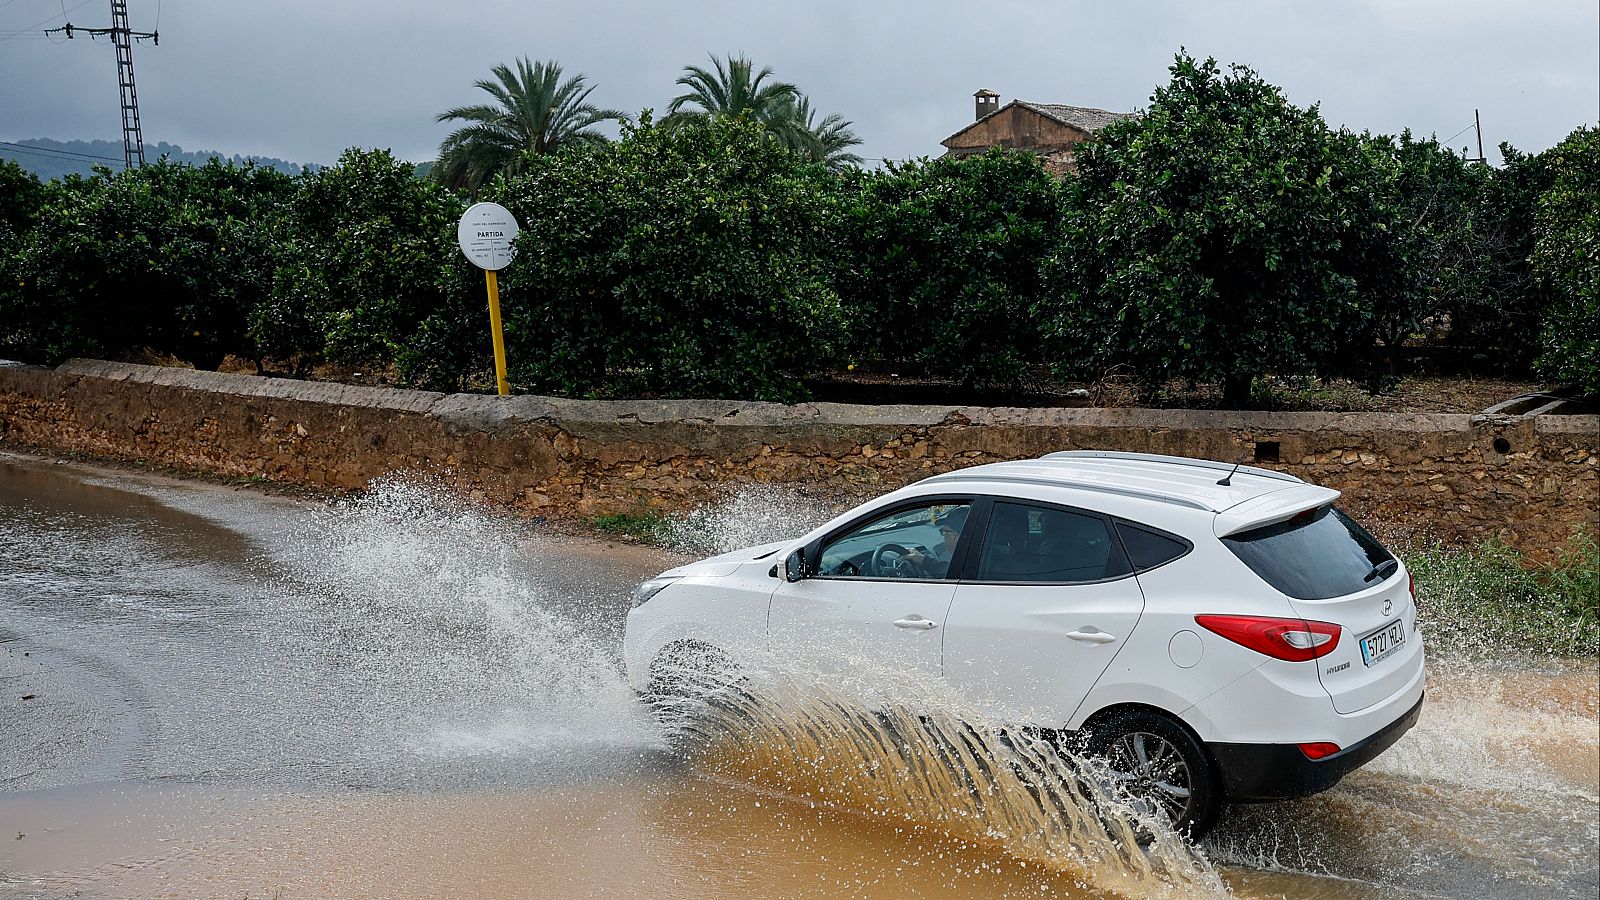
column 485, row 235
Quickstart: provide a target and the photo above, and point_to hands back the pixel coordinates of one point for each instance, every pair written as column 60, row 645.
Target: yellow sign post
column 498, row 336
column 486, row 233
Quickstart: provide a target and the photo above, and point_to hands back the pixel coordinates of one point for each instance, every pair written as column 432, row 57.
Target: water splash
column 745, row 517
column 435, row 616
column 1477, row 604
column 1496, row 784
column 1516, row 732
column 909, row 757
column 431, row 592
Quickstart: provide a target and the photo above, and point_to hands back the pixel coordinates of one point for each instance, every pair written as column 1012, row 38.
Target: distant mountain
column 55, row 159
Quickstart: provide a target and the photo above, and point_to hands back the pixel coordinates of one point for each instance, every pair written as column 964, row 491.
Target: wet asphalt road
column 166, row 644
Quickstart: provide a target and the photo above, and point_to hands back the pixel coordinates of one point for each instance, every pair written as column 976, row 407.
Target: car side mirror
column 794, row 568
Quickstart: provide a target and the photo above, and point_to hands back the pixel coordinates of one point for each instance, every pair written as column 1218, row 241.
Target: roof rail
column 963, row 474
column 1171, row 460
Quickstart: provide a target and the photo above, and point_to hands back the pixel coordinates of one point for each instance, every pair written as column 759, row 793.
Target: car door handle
column 1092, row 636
column 916, row 622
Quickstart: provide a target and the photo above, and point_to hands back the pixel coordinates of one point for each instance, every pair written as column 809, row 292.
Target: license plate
column 1383, row 642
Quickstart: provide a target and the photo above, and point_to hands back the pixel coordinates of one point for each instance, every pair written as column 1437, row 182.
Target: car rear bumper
column 1280, row 771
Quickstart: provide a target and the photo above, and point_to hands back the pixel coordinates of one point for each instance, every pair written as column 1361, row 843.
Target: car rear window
column 1316, row 555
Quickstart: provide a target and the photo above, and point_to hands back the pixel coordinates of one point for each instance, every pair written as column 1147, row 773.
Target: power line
column 8, row 35
column 53, row 153
column 1452, row 137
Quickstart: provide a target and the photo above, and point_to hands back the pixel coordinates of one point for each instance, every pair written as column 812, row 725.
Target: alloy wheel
column 1152, row 770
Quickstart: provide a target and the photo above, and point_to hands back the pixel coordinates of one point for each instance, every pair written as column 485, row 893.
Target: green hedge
column 1222, row 235
column 1566, row 259
column 938, row 265
column 164, row 257
column 689, row 261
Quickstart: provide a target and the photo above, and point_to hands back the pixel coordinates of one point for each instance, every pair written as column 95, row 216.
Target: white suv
column 1218, row 633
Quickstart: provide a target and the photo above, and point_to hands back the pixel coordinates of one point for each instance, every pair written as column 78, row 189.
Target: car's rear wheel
column 1160, row 766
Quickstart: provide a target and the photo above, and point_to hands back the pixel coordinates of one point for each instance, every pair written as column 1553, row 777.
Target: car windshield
column 1316, row 555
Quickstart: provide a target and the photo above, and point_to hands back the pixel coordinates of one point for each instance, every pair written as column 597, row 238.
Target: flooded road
column 231, row 694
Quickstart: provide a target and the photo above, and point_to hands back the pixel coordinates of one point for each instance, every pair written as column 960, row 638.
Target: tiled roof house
column 1051, row 130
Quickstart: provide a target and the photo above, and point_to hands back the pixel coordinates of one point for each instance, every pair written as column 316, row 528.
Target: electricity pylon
column 122, row 37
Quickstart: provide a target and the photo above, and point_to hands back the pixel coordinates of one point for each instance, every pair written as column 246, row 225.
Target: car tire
column 690, row 670
column 1152, row 757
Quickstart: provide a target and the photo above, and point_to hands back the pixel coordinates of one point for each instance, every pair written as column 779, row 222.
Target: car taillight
column 1319, row 749
column 1292, row 640
column 1413, row 587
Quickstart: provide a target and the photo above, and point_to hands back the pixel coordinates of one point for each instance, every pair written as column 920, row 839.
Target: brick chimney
column 987, row 102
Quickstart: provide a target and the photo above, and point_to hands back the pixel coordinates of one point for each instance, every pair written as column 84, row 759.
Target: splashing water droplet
column 905, row 752
column 444, row 638
column 745, row 517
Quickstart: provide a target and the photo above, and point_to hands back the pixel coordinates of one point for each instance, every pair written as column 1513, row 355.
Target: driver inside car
column 936, row 562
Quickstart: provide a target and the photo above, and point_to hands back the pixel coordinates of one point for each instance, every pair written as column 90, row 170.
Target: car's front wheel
column 1160, row 766
column 690, row 670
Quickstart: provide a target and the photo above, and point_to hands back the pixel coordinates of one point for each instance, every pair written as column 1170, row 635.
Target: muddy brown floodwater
column 209, row 692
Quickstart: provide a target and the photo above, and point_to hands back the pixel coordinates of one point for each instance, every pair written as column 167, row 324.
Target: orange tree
column 683, row 261
column 21, row 197
column 1414, row 247
column 167, row 257
column 939, row 265
column 1202, row 239
column 363, row 249
column 1566, row 258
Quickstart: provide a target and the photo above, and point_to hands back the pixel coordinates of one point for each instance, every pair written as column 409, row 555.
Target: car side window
column 1148, row 548
column 1044, row 544
column 917, row 542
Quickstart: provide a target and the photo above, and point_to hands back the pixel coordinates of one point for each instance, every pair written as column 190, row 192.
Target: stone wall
column 1455, row 477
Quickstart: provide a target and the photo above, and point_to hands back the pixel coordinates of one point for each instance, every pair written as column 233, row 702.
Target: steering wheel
column 899, row 568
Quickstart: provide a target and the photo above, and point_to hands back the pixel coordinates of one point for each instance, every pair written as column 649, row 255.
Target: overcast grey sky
column 302, row 79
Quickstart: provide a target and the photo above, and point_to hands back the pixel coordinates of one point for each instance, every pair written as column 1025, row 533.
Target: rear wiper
column 1383, row 570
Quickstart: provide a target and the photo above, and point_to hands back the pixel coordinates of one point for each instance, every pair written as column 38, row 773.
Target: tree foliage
column 1199, row 236
column 941, row 264
column 1566, row 259
column 680, row 261
column 362, row 257
column 827, row 142
column 163, row 257
column 733, row 88
column 21, row 196
column 734, row 248
column 1410, row 244
column 535, row 111
column 1504, row 318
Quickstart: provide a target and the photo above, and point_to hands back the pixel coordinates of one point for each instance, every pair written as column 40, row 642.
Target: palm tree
column 733, row 90
column 535, row 111
column 827, row 143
